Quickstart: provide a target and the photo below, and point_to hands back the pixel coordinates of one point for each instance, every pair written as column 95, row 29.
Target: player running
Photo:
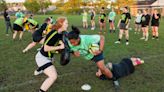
column 44, row 56
column 79, row 44
column 38, row 35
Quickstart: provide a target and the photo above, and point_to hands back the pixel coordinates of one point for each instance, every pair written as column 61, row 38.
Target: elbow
column 45, row 48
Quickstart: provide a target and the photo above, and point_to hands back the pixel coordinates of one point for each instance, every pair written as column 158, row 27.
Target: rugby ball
column 86, row 87
column 93, row 47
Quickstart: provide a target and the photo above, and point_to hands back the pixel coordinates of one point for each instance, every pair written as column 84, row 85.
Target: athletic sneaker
column 116, row 84
column 152, row 38
column 117, row 42
column 127, row 43
column 24, row 51
column 92, row 28
column 38, row 72
column 142, row 61
column 7, row 34
column 142, row 38
column 146, row 39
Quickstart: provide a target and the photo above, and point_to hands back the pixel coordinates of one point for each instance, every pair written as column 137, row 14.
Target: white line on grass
column 66, row 74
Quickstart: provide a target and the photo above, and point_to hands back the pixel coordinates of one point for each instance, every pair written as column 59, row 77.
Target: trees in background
column 2, row 5
column 35, row 5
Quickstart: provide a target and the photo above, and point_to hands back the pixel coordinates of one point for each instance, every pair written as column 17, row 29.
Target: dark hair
column 103, row 8
column 74, row 34
column 46, row 20
column 126, row 7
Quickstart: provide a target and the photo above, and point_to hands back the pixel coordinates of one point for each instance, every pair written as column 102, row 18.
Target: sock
column 139, row 61
column 127, row 40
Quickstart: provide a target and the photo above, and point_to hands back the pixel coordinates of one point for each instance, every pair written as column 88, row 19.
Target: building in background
column 148, row 4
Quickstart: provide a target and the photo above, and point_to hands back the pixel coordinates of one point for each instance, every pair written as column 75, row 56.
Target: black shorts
column 122, row 26
column 138, row 23
column 144, row 25
column 124, row 68
column 155, row 24
column 102, row 20
column 37, row 26
column 111, row 21
column 92, row 17
column 98, row 57
column 37, row 38
column 17, row 27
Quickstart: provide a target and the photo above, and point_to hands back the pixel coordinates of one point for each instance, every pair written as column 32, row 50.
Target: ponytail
column 74, row 34
column 59, row 23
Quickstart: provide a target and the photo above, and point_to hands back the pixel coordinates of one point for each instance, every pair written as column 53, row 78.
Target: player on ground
column 121, row 69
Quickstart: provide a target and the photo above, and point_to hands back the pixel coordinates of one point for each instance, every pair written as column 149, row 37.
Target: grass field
column 16, row 69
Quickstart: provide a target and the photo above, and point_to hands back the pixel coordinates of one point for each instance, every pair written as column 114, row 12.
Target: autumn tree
column 2, row 5
column 36, row 5
column 32, row 5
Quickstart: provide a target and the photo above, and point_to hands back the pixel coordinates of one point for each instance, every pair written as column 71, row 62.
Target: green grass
column 16, row 69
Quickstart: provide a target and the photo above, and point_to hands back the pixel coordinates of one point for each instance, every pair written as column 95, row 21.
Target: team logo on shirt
column 143, row 19
column 123, row 17
column 102, row 16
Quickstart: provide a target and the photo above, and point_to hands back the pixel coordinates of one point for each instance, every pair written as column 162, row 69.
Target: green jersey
column 111, row 15
column 83, row 47
column 19, row 15
column 19, row 22
column 85, row 16
column 32, row 22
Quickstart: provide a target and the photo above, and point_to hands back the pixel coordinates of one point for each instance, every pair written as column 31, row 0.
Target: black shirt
column 6, row 16
column 124, row 68
column 125, row 17
column 40, row 30
column 145, row 19
column 102, row 16
column 155, row 21
column 52, row 39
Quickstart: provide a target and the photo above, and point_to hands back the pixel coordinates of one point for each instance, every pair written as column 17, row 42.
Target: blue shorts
column 98, row 58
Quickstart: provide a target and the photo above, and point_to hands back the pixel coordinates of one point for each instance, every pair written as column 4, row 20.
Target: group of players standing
column 142, row 21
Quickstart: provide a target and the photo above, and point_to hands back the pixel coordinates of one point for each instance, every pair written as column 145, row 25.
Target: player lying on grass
column 121, row 69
